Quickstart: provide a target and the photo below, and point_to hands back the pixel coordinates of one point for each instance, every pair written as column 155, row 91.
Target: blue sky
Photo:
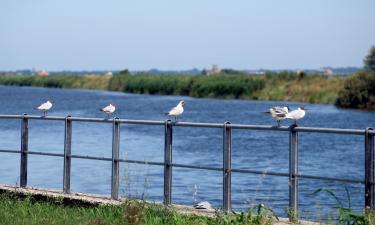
column 139, row 35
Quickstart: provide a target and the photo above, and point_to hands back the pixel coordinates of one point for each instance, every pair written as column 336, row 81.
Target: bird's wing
column 293, row 114
column 174, row 111
column 112, row 108
column 43, row 106
column 280, row 111
column 106, row 109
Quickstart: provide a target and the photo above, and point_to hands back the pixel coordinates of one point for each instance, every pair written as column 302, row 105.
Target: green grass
column 30, row 210
column 27, row 210
column 87, row 81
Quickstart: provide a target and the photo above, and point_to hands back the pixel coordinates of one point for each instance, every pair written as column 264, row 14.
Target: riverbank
column 45, row 206
column 278, row 87
column 42, row 206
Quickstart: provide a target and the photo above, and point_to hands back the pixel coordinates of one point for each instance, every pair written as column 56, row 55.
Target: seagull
column 109, row 109
column 44, row 107
column 296, row 114
column 278, row 113
column 176, row 111
column 203, row 205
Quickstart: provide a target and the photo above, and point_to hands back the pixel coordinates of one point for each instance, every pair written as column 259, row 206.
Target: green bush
column 358, row 91
column 223, row 86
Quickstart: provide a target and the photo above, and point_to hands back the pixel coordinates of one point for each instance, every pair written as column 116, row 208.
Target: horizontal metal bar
column 95, row 120
column 142, row 122
column 260, row 172
column 195, row 124
column 331, row 130
column 10, row 151
column 300, row 129
column 11, row 116
column 45, row 117
column 258, row 127
column 299, row 175
column 44, row 153
column 196, row 167
column 141, row 162
column 332, row 179
column 91, row 157
column 191, row 124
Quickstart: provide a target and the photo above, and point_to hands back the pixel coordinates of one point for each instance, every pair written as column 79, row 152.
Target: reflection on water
column 319, row 154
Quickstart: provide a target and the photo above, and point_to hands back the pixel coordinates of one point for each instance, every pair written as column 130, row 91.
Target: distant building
column 109, row 74
column 42, row 73
column 328, row 72
column 215, row 69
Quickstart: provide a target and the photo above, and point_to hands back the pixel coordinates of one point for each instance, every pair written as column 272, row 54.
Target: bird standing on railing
column 296, row 114
column 109, row 109
column 278, row 113
column 176, row 111
column 44, row 107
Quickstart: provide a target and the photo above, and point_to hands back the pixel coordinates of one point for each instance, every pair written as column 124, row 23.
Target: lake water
column 333, row 155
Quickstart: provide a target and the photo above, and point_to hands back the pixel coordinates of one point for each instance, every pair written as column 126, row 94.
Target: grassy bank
column 301, row 88
column 281, row 86
column 16, row 210
column 86, row 82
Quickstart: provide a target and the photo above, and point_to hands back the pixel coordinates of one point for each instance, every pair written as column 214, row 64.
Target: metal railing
column 168, row 164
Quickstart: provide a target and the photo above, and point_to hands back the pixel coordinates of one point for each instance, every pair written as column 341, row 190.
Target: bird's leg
column 45, row 113
column 278, row 123
column 295, row 122
column 175, row 118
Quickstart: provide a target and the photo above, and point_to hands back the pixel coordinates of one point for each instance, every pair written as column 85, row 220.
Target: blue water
column 340, row 156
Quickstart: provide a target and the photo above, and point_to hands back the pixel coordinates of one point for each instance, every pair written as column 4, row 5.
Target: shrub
column 358, row 91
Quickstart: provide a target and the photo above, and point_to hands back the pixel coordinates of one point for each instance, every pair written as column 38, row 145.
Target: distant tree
column 125, row 71
column 370, row 60
column 231, row 71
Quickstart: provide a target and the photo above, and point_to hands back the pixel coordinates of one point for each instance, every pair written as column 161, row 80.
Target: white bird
column 278, row 113
column 176, row 111
column 296, row 114
column 203, row 205
column 109, row 109
column 44, row 107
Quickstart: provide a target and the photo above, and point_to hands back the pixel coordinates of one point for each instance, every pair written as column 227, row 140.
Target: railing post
column 227, row 164
column 293, row 172
column 67, row 154
column 369, row 170
column 24, row 149
column 168, row 162
column 115, row 158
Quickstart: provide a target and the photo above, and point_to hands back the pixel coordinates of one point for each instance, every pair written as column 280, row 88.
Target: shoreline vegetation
column 32, row 209
column 349, row 91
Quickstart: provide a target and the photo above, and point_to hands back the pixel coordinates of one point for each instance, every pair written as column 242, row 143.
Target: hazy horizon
column 171, row 35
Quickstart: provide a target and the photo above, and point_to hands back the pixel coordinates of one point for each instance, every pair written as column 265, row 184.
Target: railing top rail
column 197, row 124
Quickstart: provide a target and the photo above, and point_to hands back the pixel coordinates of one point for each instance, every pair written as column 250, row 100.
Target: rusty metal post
column 227, row 164
column 115, row 180
column 168, row 162
column 67, row 154
column 369, row 170
column 293, row 171
column 24, row 149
